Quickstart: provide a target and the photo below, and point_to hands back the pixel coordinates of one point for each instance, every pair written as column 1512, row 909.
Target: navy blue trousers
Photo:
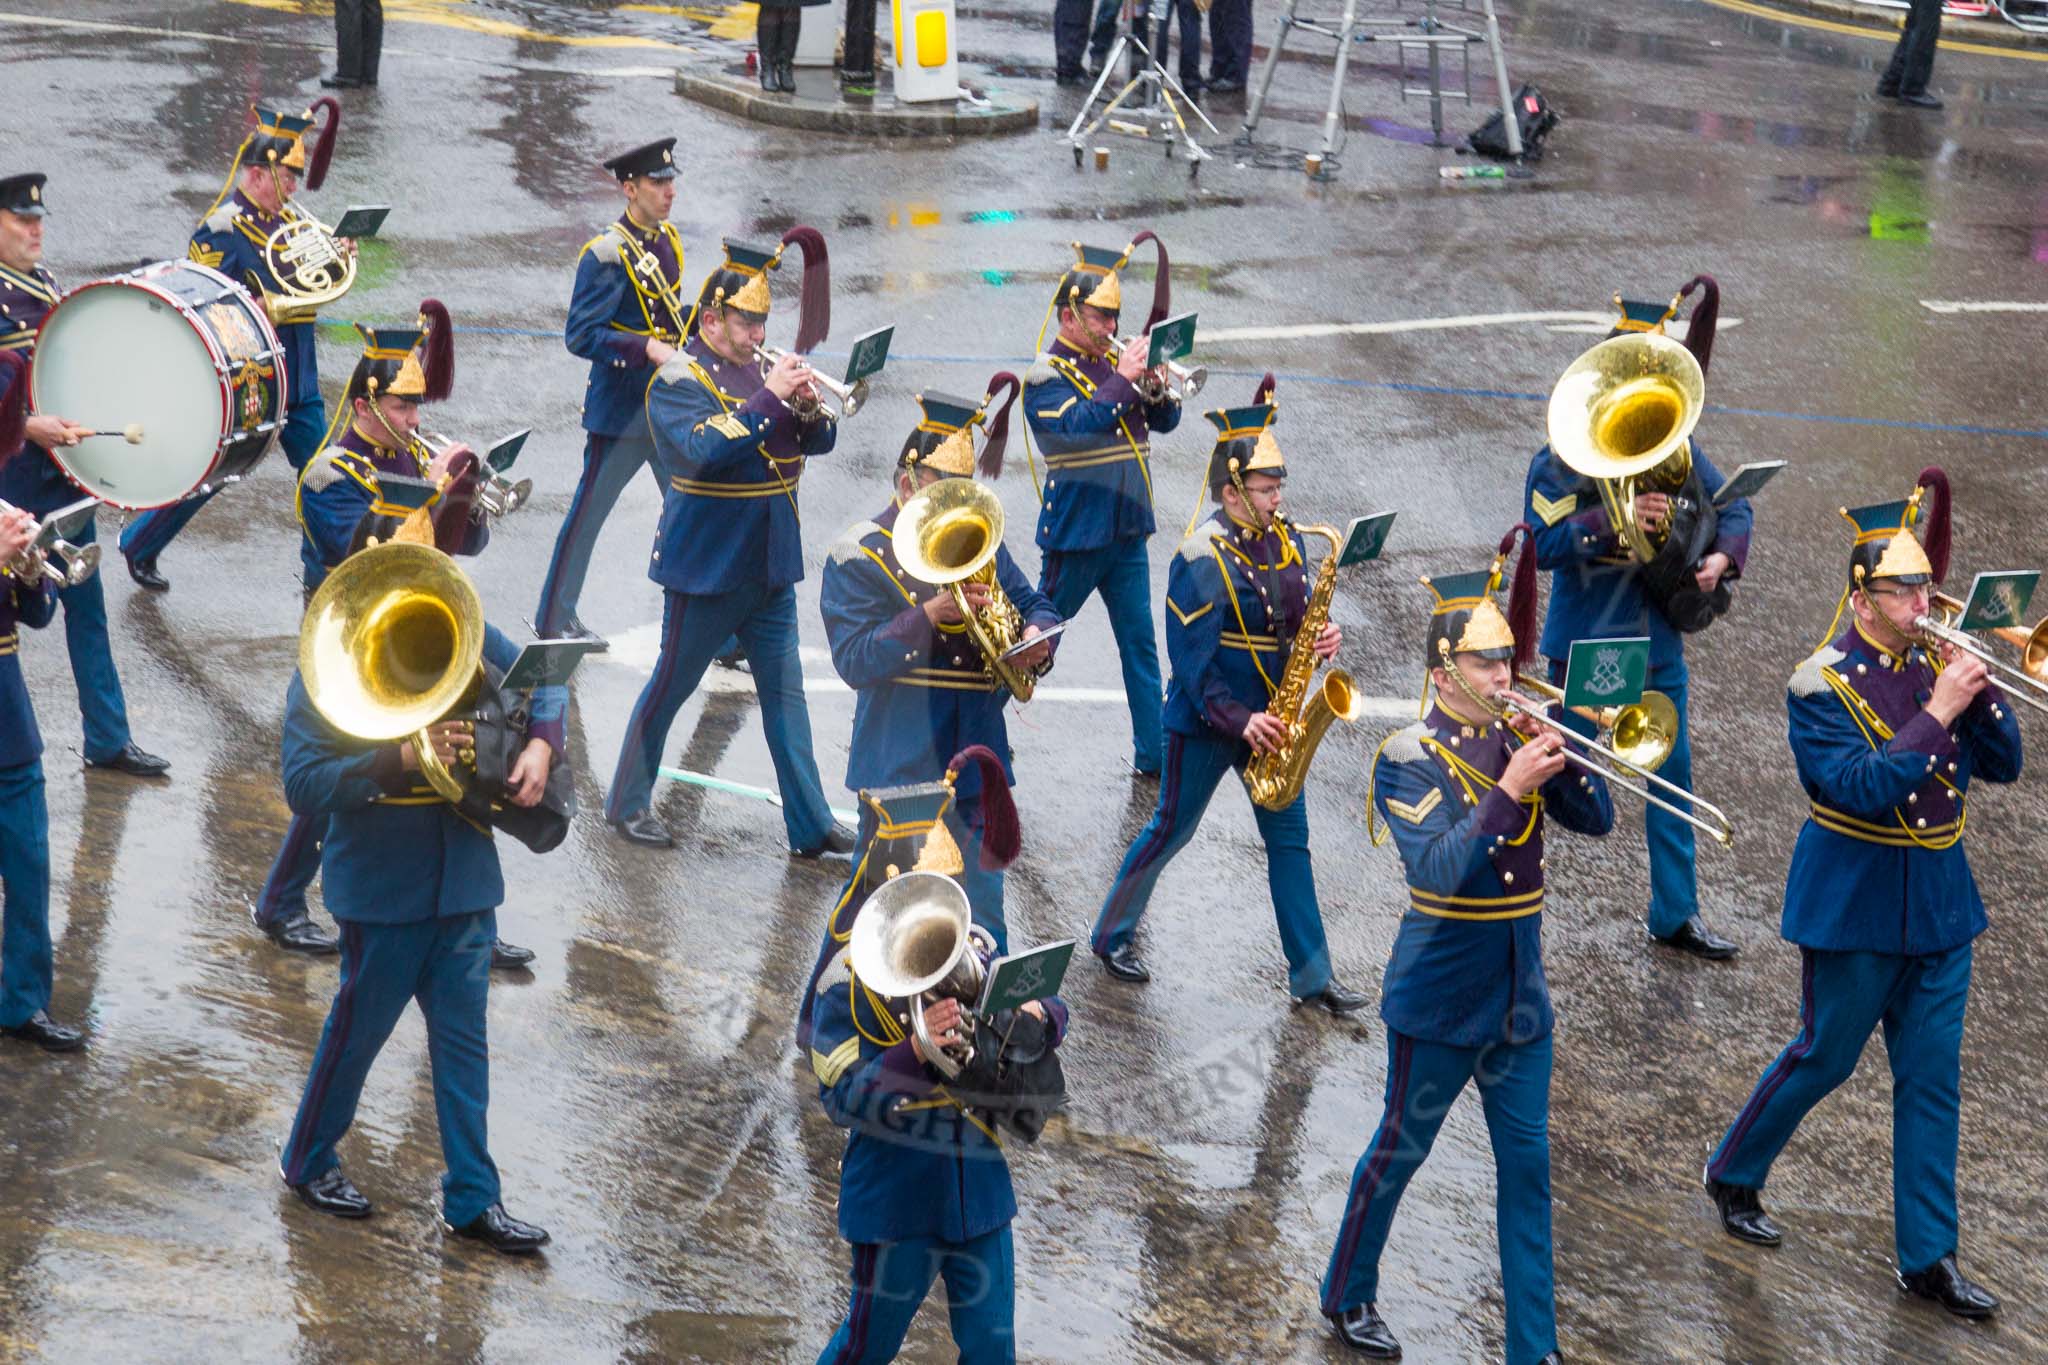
column 26, row 961
column 1843, row 998
column 1423, row 1079
column 693, row 629
column 1194, row 767
column 101, row 706
column 148, row 535
column 1122, row 575
column 891, row 1279
column 292, row 871
column 609, row 464
column 445, row 964
column 1674, row 875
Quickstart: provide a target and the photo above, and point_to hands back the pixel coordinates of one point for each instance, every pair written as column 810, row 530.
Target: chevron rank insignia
column 728, row 426
column 1553, row 510
column 1413, row 814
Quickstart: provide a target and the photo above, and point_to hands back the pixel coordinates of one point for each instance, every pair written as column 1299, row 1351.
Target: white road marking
column 1569, row 321
column 1954, row 306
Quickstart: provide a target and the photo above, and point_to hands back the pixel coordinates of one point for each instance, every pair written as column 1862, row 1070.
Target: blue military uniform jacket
column 924, row 693
column 733, row 453
column 20, row 605
column 1095, row 433
column 395, row 852
column 1235, row 597
column 1596, row 585
column 336, row 490
column 916, row 1163
column 1467, row 965
column 230, row 239
column 613, row 310
column 1879, row 866
column 30, row 480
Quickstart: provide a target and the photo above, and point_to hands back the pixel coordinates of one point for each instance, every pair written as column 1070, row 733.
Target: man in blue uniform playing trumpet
column 1465, row 794
column 924, row 692
column 1887, row 730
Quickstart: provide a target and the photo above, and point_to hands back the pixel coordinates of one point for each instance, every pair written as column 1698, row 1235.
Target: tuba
column 1274, row 779
column 1622, row 415
column 393, row 641
column 916, row 941
column 309, row 265
column 948, row 536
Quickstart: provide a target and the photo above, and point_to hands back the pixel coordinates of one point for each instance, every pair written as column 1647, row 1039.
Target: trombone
column 809, row 408
column 1181, row 382
column 496, row 495
column 1639, row 722
column 43, row 560
column 2028, row 680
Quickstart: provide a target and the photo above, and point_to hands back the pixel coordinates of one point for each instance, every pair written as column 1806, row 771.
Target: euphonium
column 309, row 265
column 948, row 536
column 1621, row 415
column 915, row 941
column 1274, row 779
column 393, row 641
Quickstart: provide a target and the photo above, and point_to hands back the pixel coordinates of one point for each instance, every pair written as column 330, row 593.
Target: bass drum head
column 113, row 354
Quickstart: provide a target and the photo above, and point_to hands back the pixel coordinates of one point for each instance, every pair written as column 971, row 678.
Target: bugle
column 1180, row 382
column 2026, row 682
column 807, row 408
column 58, row 560
column 1579, row 751
column 496, row 495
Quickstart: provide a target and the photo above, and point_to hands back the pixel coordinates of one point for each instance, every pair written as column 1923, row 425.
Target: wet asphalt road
column 649, row 1107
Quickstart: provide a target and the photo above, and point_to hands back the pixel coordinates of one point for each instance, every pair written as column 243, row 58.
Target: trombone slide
column 1716, row 826
column 2022, row 686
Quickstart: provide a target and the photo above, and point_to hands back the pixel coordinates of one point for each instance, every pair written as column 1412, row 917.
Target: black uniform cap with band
column 655, row 161
column 943, row 440
column 741, row 284
column 23, row 194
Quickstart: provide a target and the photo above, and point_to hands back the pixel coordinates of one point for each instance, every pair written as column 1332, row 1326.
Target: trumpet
column 1180, row 382
column 808, row 407
column 308, row 263
column 2028, row 681
column 496, row 495
column 916, row 941
column 1715, row 826
column 58, row 560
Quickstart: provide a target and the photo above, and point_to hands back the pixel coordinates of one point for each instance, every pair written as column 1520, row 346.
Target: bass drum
column 179, row 350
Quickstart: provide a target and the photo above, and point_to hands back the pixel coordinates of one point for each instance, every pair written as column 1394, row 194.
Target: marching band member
column 1599, row 589
column 33, row 482
column 1465, row 795
column 924, row 1187
column 729, row 554
column 27, row 965
column 1096, row 431
column 1887, row 732
column 266, row 172
column 627, row 316
column 1235, row 596
column 400, row 368
column 414, row 887
column 923, row 690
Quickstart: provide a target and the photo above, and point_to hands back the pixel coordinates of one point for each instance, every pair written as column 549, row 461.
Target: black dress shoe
column 1554, row 1358
column 1887, row 92
column 1125, row 965
column 1335, row 999
column 333, row 1193
column 1224, row 87
column 736, row 661
column 1920, row 99
column 508, row 956
column 144, row 572
column 1948, row 1287
column 341, row 83
column 1742, row 1214
column 1364, row 1331
column 1073, row 76
column 133, row 762
column 46, row 1033
column 768, row 81
column 297, row 933
column 839, row 840
column 785, row 76
column 642, row 828
column 500, row 1231
column 856, row 77
column 1696, row 938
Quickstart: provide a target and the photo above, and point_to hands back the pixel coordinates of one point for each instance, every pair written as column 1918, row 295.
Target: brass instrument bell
column 1622, row 415
column 948, row 536
column 914, row 940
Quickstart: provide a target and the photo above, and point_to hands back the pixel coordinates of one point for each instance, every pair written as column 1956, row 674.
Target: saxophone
column 1274, row 779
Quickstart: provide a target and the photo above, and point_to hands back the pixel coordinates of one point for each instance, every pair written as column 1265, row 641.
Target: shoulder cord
column 1876, row 733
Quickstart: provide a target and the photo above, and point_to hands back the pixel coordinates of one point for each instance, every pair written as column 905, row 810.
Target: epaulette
column 676, row 368
column 1810, row 678
column 222, row 219
column 604, row 246
column 1041, row 371
column 1405, row 744
column 1199, row 546
column 327, row 468
column 837, row 972
column 849, row 547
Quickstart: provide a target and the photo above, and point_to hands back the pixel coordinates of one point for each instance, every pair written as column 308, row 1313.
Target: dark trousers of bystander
column 1912, row 60
column 358, row 38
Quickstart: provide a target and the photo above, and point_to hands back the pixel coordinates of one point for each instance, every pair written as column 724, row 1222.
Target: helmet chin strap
column 1449, row 665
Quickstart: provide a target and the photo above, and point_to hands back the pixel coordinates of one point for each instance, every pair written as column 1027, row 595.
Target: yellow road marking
column 441, row 14
column 1874, row 34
